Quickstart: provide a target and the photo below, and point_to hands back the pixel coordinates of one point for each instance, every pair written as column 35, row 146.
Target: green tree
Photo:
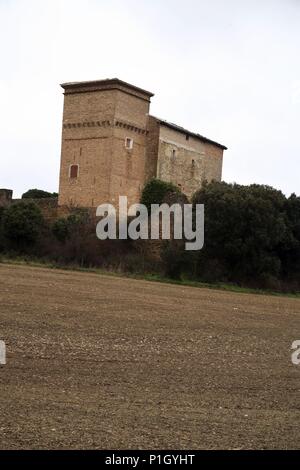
column 66, row 227
column 174, row 258
column 155, row 192
column 290, row 249
column 244, row 229
column 61, row 229
column 38, row 194
column 22, row 224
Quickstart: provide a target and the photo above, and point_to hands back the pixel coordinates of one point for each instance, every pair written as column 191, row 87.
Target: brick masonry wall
column 95, row 126
column 90, row 149
column 127, row 166
column 152, row 148
column 48, row 206
column 51, row 210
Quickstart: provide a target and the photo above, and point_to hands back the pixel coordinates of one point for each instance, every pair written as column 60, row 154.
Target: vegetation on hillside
column 252, row 238
column 38, row 194
column 155, row 191
column 21, row 226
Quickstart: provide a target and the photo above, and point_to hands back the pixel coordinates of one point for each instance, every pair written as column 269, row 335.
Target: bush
column 173, row 256
column 290, row 249
column 38, row 194
column 2, row 243
column 22, row 224
column 246, row 228
column 155, row 192
column 61, row 229
column 65, row 227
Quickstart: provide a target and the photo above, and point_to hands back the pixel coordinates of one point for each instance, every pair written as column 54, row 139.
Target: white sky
column 229, row 70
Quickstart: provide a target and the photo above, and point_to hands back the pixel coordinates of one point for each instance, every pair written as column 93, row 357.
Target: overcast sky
column 229, row 70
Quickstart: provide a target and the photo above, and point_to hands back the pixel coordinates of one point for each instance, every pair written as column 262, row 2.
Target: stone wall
column 5, row 197
column 152, row 148
column 186, row 160
column 48, row 206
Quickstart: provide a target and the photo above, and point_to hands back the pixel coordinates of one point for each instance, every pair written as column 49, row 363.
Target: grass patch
column 37, row 262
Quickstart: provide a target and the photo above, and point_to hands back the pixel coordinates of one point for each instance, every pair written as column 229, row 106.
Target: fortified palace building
column 112, row 146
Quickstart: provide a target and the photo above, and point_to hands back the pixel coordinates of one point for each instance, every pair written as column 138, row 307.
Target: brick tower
column 103, row 142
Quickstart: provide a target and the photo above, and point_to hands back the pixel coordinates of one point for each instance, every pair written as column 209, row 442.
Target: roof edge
column 186, row 131
column 108, row 83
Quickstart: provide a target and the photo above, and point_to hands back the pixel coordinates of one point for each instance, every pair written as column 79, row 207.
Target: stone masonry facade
column 111, row 146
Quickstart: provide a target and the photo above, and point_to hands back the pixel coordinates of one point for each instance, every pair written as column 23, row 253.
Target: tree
column 174, row 258
column 245, row 226
column 38, row 194
column 155, row 192
column 61, row 229
column 22, row 224
column 2, row 244
column 290, row 249
column 65, row 227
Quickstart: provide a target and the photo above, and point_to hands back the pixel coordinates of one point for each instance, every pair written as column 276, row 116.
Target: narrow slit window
column 129, row 143
column 74, row 171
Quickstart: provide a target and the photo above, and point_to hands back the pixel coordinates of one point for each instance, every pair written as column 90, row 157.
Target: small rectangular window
column 187, row 137
column 73, row 171
column 128, row 143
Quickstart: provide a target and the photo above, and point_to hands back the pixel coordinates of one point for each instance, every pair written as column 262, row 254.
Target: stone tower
column 103, row 142
column 111, row 146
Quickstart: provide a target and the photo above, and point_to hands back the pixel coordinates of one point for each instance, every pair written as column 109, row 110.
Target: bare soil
column 102, row 362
